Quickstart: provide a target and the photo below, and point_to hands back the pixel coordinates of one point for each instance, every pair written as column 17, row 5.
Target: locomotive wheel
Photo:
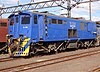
column 51, row 47
column 32, row 50
column 78, row 45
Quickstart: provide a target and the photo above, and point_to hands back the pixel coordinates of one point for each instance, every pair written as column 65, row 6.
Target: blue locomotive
column 32, row 32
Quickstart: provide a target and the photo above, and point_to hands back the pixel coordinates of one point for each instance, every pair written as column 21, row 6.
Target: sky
column 81, row 10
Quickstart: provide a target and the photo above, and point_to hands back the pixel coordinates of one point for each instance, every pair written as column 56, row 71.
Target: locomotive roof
column 50, row 14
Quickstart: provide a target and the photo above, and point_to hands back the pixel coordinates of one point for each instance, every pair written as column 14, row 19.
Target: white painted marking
column 41, row 60
column 25, row 27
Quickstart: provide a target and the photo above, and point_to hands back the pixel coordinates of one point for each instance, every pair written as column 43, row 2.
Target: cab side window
column 45, row 20
column 16, row 19
column 35, row 19
column 11, row 21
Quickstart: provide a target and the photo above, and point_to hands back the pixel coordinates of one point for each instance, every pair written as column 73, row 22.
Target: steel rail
column 97, row 69
column 8, row 59
column 51, row 61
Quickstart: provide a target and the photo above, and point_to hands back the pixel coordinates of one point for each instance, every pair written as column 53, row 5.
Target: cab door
column 11, row 26
column 41, row 26
column 16, row 26
column 92, row 29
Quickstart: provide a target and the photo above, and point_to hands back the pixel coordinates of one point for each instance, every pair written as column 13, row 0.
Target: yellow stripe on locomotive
column 18, row 48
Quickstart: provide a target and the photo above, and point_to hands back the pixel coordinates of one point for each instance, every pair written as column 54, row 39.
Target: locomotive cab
column 19, row 31
column 11, row 25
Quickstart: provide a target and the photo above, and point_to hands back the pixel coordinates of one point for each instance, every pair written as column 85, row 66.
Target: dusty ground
column 78, row 65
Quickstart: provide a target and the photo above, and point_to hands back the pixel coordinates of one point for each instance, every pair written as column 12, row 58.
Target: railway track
column 7, row 59
column 96, row 69
column 35, row 65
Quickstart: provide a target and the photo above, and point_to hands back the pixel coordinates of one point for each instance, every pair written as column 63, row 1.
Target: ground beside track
column 4, row 55
column 86, row 64
column 77, row 65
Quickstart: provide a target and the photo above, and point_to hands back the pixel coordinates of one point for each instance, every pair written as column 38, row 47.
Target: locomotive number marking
column 72, row 25
column 25, row 27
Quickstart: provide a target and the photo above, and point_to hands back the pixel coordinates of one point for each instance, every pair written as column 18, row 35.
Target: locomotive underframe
column 17, row 47
column 60, row 46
